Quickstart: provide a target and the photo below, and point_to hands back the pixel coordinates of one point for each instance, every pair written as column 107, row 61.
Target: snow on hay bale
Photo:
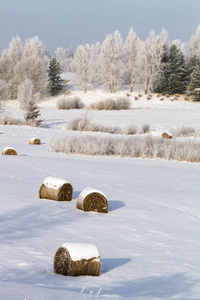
column 92, row 200
column 75, row 259
column 56, row 189
column 34, row 141
column 9, row 151
column 166, row 135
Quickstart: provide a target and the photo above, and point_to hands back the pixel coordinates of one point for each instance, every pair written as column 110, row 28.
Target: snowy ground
column 148, row 241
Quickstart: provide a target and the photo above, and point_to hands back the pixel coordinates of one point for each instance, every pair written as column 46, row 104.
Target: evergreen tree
column 162, row 84
column 193, row 89
column 28, row 101
column 31, row 115
column 56, row 83
column 177, row 81
column 191, row 64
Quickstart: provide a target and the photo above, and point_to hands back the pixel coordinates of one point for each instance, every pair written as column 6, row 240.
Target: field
column 148, row 240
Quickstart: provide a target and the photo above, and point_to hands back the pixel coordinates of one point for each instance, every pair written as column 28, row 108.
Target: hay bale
column 56, row 189
column 34, row 141
column 166, row 135
column 92, row 200
column 9, row 151
column 76, row 259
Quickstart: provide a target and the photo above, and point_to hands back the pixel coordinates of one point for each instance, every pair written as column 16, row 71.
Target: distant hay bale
column 34, row 141
column 92, row 200
column 9, row 151
column 56, row 189
column 166, row 135
column 76, row 259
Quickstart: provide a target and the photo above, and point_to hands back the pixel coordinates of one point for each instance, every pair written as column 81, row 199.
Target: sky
column 63, row 22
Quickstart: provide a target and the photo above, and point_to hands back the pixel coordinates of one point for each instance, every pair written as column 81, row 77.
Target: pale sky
column 59, row 23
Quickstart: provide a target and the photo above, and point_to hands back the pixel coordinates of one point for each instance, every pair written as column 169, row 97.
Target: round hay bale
column 166, row 135
column 76, row 259
column 34, row 141
column 92, row 200
column 56, row 189
column 9, row 151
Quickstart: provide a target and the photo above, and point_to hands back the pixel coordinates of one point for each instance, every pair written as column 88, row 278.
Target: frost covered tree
column 33, row 65
column 153, row 53
column 193, row 88
column 81, row 64
column 65, row 57
column 9, row 59
column 130, row 52
column 5, row 90
column 112, row 63
column 95, row 64
column 28, row 102
column 26, row 94
column 150, row 60
column 194, row 44
column 55, row 83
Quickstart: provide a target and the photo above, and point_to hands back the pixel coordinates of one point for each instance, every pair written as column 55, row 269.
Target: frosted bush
column 69, row 103
column 148, row 146
column 184, row 131
column 131, row 129
column 145, row 128
column 122, row 103
column 8, row 120
column 110, row 104
column 84, row 124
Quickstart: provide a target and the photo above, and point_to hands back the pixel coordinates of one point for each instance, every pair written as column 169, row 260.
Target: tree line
column 156, row 65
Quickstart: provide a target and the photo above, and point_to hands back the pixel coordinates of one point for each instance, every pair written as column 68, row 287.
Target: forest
column 154, row 65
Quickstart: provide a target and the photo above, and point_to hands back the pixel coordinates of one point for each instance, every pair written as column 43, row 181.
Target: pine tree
column 31, row 115
column 56, row 83
column 28, row 101
column 162, row 84
column 191, row 64
column 193, row 89
column 177, row 81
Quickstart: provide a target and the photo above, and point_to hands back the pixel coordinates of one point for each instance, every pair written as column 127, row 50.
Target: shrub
column 122, row 103
column 184, row 131
column 148, row 146
column 145, row 128
column 69, row 103
column 83, row 124
column 8, row 120
column 110, row 104
column 131, row 129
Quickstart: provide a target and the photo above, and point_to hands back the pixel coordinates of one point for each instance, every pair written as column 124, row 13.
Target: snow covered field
column 149, row 239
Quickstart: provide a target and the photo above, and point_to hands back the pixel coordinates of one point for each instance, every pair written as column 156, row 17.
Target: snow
column 33, row 139
column 79, row 251
column 148, row 241
column 7, row 148
column 54, row 183
column 86, row 192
